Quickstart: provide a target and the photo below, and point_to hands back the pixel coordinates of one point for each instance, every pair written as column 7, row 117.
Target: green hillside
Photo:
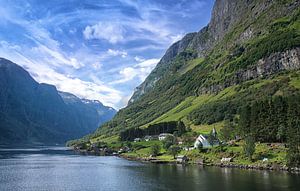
column 215, row 73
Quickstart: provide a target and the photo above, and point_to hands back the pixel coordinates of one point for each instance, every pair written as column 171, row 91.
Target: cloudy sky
column 95, row 49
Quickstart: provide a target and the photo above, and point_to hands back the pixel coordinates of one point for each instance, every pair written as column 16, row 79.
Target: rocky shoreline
column 221, row 165
column 260, row 167
column 154, row 160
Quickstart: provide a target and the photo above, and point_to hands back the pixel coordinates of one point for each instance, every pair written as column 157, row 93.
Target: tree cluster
column 273, row 120
column 155, row 129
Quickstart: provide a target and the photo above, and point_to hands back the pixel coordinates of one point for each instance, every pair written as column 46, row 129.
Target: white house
column 225, row 160
column 148, row 138
column 201, row 139
column 137, row 140
column 163, row 136
column 181, row 159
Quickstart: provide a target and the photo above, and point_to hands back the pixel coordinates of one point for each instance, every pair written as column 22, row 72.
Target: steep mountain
column 37, row 113
column 249, row 51
column 91, row 111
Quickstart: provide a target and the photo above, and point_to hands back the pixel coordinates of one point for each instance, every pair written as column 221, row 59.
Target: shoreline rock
column 153, row 160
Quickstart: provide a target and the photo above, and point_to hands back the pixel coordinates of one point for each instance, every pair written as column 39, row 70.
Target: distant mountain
column 37, row 113
column 93, row 110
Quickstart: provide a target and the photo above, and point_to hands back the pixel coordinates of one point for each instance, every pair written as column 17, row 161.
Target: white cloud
column 56, row 57
column 139, row 59
column 176, row 38
column 112, row 32
column 42, row 71
column 150, row 63
column 140, row 70
column 56, row 53
column 73, row 31
column 44, row 44
column 97, row 66
column 149, row 26
column 121, row 53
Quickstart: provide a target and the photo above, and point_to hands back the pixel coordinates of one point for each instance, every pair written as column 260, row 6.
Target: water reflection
column 50, row 168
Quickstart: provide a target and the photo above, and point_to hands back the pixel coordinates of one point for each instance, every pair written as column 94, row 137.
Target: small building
column 115, row 154
column 188, row 148
column 201, row 139
column 265, row 160
column 226, row 160
column 137, row 139
column 148, row 138
column 182, row 159
column 163, row 136
column 94, row 145
column 237, row 138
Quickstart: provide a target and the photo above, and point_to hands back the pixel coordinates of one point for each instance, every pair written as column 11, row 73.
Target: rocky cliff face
column 162, row 66
column 225, row 15
column 277, row 62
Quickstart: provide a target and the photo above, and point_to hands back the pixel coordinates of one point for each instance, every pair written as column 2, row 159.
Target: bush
column 155, row 149
column 168, row 142
column 174, row 150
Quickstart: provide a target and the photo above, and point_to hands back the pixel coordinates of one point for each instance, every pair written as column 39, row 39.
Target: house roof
column 165, row 134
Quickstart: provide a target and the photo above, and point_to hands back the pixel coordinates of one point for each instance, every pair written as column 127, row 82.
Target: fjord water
column 56, row 168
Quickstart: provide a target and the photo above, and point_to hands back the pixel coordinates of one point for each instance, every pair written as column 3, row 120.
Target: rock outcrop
column 275, row 63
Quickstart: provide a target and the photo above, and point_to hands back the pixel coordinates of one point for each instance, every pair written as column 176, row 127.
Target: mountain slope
column 92, row 112
column 37, row 113
column 249, row 51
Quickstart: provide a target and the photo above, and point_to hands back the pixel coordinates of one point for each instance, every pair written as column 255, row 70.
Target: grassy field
column 191, row 103
column 206, row 129
column 274, row 153
column 190, row 65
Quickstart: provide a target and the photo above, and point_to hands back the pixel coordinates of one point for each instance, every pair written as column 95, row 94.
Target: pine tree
column 293, row 132
column 228, row 131
column 249, row 146
column 244, row 122
column 254, row 120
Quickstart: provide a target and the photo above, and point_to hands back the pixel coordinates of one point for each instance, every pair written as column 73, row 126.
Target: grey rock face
column 225, row 14
column 276, row 62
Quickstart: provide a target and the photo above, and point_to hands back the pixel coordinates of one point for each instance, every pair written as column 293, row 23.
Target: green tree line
column 155, row 129
column 274, row 120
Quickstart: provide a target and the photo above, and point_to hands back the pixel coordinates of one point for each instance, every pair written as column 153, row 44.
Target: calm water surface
column 56, row 168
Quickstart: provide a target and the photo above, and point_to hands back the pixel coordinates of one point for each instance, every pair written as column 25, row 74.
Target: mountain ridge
column 225, row 15
column 33, row 112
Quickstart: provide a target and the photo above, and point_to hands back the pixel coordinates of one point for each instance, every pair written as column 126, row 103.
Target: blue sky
column 96, row 49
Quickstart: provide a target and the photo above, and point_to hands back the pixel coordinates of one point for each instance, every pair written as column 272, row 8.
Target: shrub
column 155, row 149
column 174, row 150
